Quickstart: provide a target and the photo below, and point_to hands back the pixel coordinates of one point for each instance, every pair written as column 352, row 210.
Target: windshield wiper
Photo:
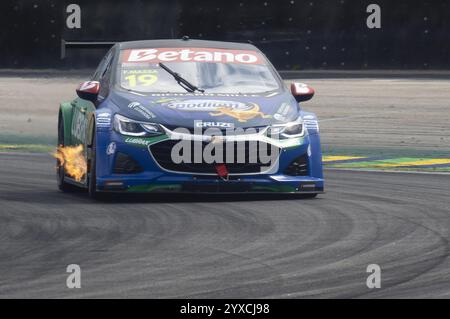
column 185, row 84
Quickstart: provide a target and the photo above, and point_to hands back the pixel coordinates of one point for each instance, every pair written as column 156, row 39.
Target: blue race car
column 189, row 116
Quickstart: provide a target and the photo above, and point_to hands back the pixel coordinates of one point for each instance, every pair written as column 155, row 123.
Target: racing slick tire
column 60, row 171
column 92, row 179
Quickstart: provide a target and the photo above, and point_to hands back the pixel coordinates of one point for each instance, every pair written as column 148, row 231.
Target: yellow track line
column 332, row 158
column 423, row 162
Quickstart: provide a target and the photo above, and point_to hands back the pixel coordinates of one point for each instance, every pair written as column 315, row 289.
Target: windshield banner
column 156, row 55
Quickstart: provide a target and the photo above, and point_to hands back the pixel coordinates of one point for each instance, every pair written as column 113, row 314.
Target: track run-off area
column 224, row 246
column 240, row 246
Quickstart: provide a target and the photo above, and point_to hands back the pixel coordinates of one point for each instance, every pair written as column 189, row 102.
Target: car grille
column 250, row 163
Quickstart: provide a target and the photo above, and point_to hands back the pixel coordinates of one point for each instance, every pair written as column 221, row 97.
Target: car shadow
column 47, row 197
column 194, row 197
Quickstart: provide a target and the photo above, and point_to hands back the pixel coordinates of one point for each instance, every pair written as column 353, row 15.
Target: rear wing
column 65, row 44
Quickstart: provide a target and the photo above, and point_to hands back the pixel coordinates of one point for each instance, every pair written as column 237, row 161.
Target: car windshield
column 211, row 70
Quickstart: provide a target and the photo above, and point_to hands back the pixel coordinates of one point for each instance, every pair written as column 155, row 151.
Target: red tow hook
column 222, row 171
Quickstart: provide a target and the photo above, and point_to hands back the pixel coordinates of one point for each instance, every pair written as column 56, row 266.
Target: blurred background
column 294, row 34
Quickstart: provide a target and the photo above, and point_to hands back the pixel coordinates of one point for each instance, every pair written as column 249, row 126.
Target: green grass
column 27, row 143
column 32, row 148
column 384, row 152
column 19, row 139
column 401, row 169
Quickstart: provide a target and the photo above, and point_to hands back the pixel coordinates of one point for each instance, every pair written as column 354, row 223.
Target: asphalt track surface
column 223, row 246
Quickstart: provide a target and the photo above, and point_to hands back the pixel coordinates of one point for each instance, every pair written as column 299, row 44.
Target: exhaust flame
column 73, row 160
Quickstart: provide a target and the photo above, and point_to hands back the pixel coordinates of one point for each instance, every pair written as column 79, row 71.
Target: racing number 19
column 141, row 80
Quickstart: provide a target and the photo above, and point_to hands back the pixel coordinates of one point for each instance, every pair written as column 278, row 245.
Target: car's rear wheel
column 92, row 181
column 60, row 171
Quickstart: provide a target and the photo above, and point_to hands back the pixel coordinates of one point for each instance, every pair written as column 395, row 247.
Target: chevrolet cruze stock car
column 189, row 116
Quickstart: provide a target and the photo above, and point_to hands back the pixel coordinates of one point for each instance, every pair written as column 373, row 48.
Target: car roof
column 189, row 43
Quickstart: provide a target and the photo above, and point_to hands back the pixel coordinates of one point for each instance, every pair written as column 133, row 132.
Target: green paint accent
column 144, row 142
column 292, row 143
column 66, row 109
column 89, row 109
column 284, row 144
column 177, row 188
column 155, row 187
column 276, row 189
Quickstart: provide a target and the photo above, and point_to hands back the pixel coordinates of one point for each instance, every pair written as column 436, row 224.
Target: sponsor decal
column 111, row 148
column 301, row 89
column 156, row 55
column 311, row 125
column 284, row 112
column 213, row 124
column 103, row 119
column 89, row 86
column 208, row 105
column 203, row 94
column 138, row 141
column 241, row 115
column 138, row 107
column 238, row 110
column 78, row 125
column 138, row 78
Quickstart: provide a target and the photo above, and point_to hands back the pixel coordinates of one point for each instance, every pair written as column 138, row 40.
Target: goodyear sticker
column 238, row 110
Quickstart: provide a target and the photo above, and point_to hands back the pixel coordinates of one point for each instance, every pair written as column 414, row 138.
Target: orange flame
column 73, row 160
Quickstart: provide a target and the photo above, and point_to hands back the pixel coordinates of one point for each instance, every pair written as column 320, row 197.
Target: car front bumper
column 154, row 179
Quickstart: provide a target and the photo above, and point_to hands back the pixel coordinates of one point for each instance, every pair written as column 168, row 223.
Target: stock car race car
column 190, row 116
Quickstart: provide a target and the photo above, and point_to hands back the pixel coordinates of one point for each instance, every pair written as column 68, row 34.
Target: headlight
column 127, row 126
column 287, row 130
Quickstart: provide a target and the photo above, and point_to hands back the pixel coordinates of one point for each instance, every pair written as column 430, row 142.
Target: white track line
column 385, row 171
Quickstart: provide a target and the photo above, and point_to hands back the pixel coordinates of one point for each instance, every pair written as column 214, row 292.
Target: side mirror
column 88, row 90
column 302, row 92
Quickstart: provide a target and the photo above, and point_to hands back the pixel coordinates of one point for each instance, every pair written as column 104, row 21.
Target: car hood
column 222, row 110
